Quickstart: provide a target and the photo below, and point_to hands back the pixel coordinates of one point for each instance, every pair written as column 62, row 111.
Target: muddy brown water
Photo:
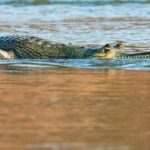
column 69, row 109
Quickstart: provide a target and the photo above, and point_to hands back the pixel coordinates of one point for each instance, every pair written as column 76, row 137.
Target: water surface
column 62, row 108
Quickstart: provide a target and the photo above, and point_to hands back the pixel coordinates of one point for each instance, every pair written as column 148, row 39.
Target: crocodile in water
column 36, row 48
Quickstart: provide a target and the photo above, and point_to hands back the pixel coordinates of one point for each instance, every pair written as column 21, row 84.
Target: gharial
column 37, row 48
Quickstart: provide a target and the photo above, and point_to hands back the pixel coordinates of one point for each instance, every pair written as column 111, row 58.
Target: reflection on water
column 62, row 108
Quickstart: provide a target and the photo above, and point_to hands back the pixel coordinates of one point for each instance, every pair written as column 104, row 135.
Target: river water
column 76, row 104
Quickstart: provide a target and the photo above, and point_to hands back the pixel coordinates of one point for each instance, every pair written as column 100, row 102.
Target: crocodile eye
column 106, row 50
column 107, row 46
column 120, row 45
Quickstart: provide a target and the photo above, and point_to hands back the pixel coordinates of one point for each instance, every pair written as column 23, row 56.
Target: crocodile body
column 36, row 48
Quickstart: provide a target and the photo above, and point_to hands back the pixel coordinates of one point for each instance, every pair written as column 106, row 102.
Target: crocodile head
column 110, row 52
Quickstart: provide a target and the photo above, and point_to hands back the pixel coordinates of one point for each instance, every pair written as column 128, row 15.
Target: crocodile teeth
column 133, row 57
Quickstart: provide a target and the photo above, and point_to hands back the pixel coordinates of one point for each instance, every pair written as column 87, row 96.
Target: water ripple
column 123, row 64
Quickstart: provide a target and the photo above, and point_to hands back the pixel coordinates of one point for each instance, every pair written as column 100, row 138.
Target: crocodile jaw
column 118, row 55
column 110, row 55
column 133, row 56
